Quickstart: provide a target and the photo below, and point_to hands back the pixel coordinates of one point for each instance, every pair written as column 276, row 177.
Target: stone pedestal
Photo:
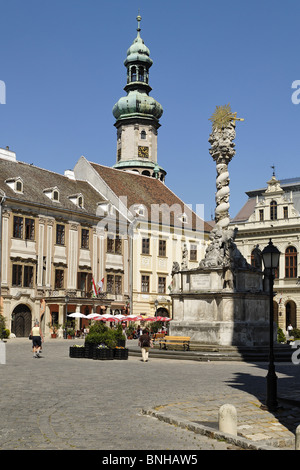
column 218, row 306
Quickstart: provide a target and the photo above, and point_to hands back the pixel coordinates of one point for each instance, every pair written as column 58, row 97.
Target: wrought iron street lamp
column 270, row 256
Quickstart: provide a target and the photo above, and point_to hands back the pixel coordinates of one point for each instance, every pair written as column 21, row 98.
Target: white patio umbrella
column 91, row 316
column 120, row 317
column 76, row 315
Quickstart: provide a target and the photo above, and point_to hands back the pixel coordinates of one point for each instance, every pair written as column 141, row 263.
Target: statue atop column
column 222, row 250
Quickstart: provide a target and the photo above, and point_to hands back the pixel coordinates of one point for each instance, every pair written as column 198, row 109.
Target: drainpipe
column 2, row 200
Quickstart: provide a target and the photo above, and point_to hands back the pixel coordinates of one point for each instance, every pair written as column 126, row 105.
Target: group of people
column 36, row 335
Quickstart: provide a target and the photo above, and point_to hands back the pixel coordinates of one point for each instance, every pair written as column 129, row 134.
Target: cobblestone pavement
column 57, row 402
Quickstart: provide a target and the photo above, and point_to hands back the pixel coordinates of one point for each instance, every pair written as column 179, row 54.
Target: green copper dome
column 137, row 103
column 138, row 51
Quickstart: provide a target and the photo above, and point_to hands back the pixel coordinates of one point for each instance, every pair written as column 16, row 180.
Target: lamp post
column 67, row 298
column 270, row 255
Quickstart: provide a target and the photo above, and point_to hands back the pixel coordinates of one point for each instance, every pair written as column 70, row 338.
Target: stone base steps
column 202, row 352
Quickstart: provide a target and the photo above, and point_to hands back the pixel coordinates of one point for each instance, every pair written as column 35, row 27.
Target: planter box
column 103, row 354
column 120, row 353
column 75, row 351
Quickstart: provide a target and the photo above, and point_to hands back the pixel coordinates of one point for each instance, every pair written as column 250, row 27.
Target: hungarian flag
column 100, row 284
column 94, row 288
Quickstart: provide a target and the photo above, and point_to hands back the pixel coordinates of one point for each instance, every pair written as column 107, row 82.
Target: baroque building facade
column 115, row 232
column 51, row 252
column 274, row 213
column 164, row 229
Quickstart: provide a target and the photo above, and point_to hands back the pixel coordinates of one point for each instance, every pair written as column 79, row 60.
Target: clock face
column 143, row 152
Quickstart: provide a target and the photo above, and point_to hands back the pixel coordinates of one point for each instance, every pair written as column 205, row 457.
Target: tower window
column 133, row 74
column 285, row 212
column 141, row 74
column 143, row 135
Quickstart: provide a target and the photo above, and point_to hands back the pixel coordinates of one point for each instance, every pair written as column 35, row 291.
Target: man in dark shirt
column 145, row 343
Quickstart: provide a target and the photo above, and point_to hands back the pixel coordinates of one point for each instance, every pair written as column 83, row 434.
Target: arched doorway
column 162, row 312
column 290, row 314
column 21, row 321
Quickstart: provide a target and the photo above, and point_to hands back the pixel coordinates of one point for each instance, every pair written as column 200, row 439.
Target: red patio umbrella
column 130, row 318
column 163, row 318
column 107, row 317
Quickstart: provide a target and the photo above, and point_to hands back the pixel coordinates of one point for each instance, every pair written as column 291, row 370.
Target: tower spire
column 137, row 114
column 139, row 19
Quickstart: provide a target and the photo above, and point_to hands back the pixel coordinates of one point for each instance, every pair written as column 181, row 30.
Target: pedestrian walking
column 290, row 329
column 145, row 344
column 37, row 339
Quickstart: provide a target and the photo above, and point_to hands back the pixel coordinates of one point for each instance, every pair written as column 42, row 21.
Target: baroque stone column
column 222, row 151
column 221, row 250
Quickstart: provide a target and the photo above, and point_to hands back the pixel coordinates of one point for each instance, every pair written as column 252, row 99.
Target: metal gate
column 21, row 321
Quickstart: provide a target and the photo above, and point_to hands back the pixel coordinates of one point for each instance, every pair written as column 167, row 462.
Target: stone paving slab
column 256, row 427
column 58, row 402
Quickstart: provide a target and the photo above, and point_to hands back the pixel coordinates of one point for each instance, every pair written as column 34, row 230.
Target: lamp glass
column 270, row 255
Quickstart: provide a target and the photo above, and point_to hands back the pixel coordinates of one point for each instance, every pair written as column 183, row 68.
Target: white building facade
column 274, row 213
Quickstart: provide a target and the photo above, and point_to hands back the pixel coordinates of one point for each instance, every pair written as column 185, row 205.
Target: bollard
column 228, row 419
column 2, row 352
column 297, row 438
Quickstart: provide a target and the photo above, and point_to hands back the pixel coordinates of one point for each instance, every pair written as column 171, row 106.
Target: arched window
column 273, row 210
column 133, row 74
column 143, row 135
column 141, row 74
column 291, row 262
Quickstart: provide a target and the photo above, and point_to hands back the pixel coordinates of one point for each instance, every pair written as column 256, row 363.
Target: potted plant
column 70, row 333
column 130, row 330
column 54, row 327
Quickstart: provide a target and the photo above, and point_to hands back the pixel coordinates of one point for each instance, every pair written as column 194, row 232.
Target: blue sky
column 62, row 64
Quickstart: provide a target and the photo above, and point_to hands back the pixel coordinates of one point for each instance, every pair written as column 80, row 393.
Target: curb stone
column 210, row 432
